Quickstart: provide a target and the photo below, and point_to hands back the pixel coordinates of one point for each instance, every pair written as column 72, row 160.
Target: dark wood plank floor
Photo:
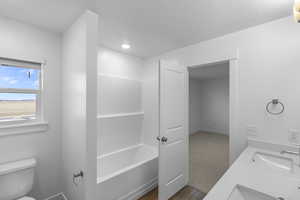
column 187, row 193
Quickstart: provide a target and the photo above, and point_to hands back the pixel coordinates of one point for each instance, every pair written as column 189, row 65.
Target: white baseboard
column 59, row 196
column 211, row 131
column 133, row 195
column 141, row 191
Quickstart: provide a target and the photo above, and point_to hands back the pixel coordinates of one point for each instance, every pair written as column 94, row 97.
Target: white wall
column 151, row 103
column 209, row 105
column 268, row 68
column 119, row 64
column 27, row 42
column 126, row 86
column 119, row 92
column 79, row 94
column 139, row 94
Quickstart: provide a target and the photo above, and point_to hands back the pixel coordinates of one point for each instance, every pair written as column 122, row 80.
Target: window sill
column 24, row 128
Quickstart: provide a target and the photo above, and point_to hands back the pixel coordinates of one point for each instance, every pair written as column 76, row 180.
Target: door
column 173, row 139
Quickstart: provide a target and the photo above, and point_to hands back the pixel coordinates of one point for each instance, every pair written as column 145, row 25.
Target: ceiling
column 211, row 71
column 151, row 27
column 54, row 15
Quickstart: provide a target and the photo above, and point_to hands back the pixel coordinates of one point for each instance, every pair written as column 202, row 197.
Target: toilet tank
column 16, row 178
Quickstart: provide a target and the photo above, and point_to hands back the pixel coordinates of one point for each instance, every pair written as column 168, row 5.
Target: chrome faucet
column 293, row 153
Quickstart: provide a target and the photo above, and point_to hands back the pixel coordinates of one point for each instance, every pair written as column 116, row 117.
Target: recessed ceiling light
column 126, row 46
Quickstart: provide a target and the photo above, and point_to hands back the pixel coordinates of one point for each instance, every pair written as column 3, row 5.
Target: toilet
column 16, row 179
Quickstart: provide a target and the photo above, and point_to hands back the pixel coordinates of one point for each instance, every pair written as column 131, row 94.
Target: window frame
column 38, row 117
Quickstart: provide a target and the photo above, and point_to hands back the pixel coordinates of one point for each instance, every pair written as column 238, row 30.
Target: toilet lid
column 26, row 198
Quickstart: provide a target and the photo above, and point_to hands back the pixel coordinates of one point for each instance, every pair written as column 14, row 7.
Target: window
column 20, row 91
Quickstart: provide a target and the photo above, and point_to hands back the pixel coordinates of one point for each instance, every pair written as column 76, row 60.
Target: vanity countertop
column 244, row 172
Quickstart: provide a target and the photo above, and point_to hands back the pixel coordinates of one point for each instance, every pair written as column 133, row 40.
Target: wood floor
column 187, row 193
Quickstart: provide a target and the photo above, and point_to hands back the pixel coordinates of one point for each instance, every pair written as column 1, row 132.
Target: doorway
column 208, row 124
column 174, row 165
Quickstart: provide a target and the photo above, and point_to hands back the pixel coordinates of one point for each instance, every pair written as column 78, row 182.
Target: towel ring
column 275, row 102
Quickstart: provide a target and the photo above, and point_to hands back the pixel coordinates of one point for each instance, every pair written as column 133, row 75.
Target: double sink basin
column 243, row 193
column 267, row 162
column 276, row 163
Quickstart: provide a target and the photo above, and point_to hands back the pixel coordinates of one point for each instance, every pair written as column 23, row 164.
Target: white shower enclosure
column 127, row 152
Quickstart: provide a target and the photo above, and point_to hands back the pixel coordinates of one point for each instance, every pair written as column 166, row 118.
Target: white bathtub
column 127, row 174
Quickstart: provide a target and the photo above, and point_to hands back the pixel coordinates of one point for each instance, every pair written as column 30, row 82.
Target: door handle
column 77, row 177
column 163, row 139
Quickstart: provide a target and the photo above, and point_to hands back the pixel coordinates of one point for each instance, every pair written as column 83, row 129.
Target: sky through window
column 18, row 78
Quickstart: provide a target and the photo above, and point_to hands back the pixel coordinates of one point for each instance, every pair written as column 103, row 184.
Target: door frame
column 235, row 143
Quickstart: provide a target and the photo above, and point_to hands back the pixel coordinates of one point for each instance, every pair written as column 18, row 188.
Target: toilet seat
column 26, row 198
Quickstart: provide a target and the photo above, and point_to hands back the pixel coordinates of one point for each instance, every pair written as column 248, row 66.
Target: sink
column 243, row 193
column 273, row 162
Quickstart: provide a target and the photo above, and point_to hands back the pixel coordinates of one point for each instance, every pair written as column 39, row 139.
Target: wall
column 151, row 103
column 209, row 105
column 268, row 68
column 27, row 42
column 79, row 94
column 119, row 64
column 128, row 88
column 119, row 93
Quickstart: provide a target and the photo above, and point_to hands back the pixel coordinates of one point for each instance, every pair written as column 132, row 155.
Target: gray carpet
column 209, row 159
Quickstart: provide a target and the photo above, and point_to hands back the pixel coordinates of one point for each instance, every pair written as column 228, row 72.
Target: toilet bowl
column 16, row 179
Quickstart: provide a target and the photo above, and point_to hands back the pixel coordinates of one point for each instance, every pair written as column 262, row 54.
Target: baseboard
column 141, row 191
column 211, row 131
column 133, row 195
column 59, row 196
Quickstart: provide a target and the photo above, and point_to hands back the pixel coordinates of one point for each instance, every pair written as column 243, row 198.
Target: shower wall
column 127, row 126
column 120, row 111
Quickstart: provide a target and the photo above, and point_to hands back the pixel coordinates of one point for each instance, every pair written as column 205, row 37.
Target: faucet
column 292, row 153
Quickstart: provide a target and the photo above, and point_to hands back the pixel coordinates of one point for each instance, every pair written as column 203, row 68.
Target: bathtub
column 127, row 174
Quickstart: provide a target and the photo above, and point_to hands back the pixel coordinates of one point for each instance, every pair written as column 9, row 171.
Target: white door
column 173, row 139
